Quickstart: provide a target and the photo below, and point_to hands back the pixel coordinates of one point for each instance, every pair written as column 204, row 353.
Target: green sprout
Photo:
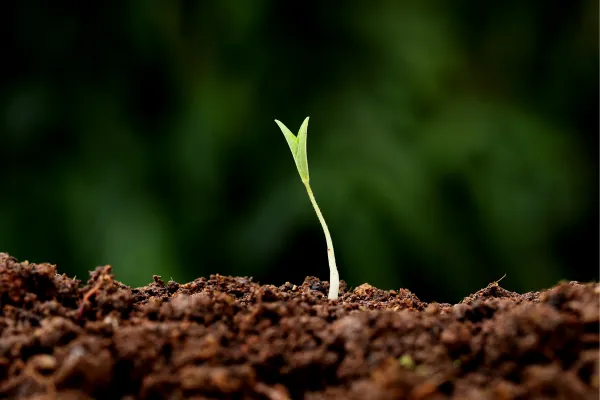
column 407, row 361
column 298, row 147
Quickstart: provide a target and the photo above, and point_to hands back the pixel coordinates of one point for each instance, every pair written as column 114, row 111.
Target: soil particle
column 232, row 338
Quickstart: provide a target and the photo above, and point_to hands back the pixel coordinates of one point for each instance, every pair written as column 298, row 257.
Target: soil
column 232, row 338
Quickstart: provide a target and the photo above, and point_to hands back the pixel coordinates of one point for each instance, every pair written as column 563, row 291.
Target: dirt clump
column 232, row 338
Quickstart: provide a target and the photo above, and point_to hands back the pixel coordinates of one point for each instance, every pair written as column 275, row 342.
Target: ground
column 232, row 338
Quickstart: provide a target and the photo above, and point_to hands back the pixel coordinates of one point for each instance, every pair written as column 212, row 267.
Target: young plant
column 298, row 147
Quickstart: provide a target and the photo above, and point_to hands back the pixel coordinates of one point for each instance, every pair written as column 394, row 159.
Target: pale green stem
column 334, row 277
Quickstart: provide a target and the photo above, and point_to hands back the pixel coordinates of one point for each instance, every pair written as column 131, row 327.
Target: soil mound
column 232, row 338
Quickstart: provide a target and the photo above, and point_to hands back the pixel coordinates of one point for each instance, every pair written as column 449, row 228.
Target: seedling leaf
column 291, row 139
column 297, row 145
column 301, row 157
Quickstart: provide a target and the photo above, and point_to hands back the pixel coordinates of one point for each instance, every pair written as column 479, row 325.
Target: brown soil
column 232, row 338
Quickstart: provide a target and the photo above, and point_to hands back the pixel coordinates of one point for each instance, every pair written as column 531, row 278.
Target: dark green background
column 449, row 143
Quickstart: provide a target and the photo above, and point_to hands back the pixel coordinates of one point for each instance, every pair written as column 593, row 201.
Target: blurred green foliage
column 451, row 142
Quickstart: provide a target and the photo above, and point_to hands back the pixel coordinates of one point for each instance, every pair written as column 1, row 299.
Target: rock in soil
column 232, row 338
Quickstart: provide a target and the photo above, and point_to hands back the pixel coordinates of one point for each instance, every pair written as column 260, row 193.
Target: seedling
column 298, row 147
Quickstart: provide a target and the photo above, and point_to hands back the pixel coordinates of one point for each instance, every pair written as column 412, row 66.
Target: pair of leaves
column 297, row 145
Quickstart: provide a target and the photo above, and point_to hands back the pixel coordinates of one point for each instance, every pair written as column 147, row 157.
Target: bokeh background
column 449, row 142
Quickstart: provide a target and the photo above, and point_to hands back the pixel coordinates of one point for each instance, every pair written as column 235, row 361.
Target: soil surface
column 232, row 338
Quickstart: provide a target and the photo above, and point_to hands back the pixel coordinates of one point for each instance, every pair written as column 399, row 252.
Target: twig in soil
column 87, row 296
column 495, row 283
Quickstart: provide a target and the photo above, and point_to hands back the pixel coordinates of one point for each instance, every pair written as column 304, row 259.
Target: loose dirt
column 232, row 338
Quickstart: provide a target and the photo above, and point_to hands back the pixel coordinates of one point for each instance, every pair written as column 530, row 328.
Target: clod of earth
column 232, row 338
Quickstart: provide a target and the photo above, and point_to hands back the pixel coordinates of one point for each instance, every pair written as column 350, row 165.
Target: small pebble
column 43, row 362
